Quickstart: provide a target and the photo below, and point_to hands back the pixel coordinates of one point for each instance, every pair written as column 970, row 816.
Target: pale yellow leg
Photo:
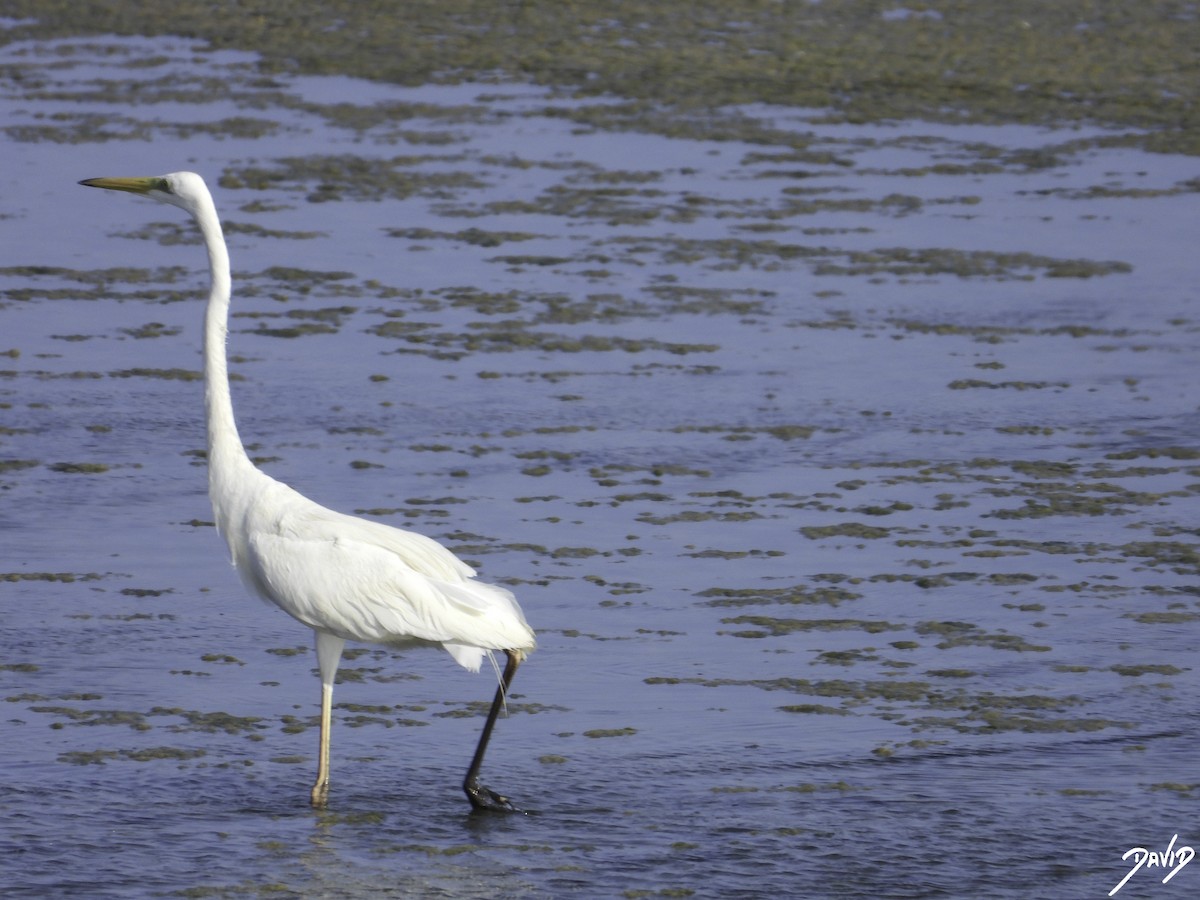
column 329, row 653
column 320, row 791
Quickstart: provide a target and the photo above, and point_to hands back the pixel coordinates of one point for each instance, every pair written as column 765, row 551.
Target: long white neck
column 226, row 456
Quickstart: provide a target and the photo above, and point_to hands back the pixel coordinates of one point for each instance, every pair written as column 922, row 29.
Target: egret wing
column 367, row 581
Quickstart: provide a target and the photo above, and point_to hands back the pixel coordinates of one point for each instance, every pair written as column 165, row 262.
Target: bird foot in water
column 484, row 798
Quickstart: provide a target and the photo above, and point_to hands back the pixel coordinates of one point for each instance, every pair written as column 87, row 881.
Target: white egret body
column 344, row 577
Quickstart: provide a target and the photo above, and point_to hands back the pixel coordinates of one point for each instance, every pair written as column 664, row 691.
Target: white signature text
column 1173, row 858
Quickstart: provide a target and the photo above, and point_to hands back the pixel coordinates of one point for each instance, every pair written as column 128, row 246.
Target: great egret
column 344, row 577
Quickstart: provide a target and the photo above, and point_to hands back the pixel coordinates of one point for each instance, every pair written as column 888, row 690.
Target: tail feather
column 467, row 656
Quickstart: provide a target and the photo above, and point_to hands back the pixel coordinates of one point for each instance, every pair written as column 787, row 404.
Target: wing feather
column 367, row 581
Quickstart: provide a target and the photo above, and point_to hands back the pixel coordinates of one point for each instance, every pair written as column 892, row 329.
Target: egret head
column 183, row 189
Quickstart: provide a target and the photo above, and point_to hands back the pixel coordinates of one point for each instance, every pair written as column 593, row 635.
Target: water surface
column 847, row 472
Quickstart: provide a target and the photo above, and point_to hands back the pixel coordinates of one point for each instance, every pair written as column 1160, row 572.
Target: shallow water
column 849, row 478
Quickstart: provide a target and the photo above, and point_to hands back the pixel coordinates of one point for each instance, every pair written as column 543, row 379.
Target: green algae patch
column 950, row 673
column 1179, row 557
column 809, row 787
column 820, row 709
column 149, row 754
column 609, row 732
column 798, row 594
column 89, row 284
column 845, row 529
column 512, row 336
column 474, row 236
column 768, row 625
column 996, row 721
column 1136, row 671
column 923, row 705
column 60, row 577
column 903, row 263
column 295, row 331
column 1086, row 498
column 1177, row 453
column 963, row 634
column 78, row 468
column 693, row 515
column 927, row 262
column 151, row 330
column 103, row 717
column 614, row 474
column 1178, row 787
column 209, row 722
column 287, row 651
column 163, row 374
column 16, row 465
column 1163, row 618
column 221, row 658
column 748, row 432
column 330, row 178
column 859, row 691
column 964, row 384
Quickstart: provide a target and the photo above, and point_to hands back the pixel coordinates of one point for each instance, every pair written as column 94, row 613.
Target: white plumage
column 344, row 577
column 365, row 581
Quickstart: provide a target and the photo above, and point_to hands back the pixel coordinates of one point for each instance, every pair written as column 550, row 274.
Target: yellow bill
column 132, row 185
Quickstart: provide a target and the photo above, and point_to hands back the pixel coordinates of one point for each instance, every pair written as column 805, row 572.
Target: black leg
column 482, row 797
